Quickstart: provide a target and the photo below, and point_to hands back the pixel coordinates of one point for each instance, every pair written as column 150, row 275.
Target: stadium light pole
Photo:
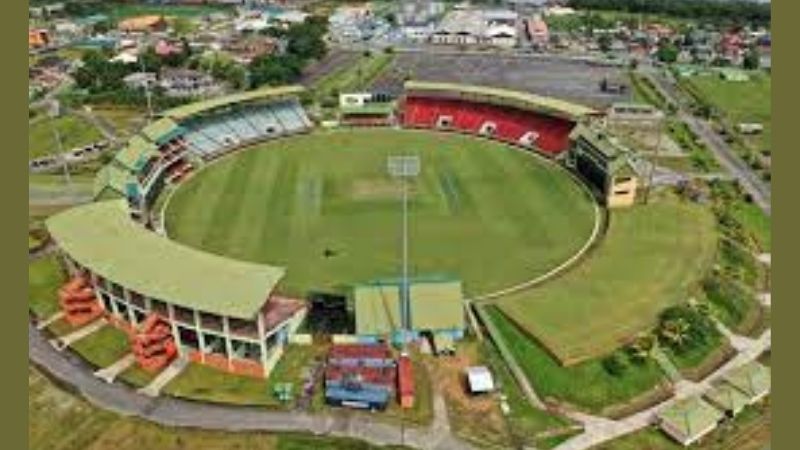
column 404, row 167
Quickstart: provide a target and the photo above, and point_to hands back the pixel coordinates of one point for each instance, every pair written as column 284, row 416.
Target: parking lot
column 573, row 80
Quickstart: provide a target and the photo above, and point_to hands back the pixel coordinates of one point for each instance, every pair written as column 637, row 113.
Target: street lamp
column 55, row 111
column 404, row 167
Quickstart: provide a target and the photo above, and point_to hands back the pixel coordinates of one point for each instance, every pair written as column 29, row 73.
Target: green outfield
column 650, row 257
column 323, row 206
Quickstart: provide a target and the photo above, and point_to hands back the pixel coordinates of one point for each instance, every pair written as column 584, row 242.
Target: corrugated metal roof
column 160, row 128
column 435, row 305
column 102, row 237
column 727, row 397
column 136, row 153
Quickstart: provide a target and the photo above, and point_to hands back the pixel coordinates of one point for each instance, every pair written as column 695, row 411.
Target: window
column 621, row 192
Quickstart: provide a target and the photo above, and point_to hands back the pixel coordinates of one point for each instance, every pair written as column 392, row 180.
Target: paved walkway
column 50, row 320
column 173, row 370
column 109, row 374
column 169, row 411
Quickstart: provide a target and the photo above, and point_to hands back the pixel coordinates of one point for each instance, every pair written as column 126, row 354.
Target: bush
column 700, row 329
column 614, row 365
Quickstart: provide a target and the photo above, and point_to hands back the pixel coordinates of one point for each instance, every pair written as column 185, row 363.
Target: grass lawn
column 757, row 224
column 209, row 384
column 44, row 278
column 288, row 201
column 750, row 430
column 124, row 120
column 74, row 132
column 524, row 422
column 103, row 347
column 587, row 384
column 60, row 421
column 698, row 362
column 355, row 77
column 649, row 259
column 749, row 101
column 137, row 377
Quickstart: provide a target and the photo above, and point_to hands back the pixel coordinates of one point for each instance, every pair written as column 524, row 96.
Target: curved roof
column 102, row 237
column 185, row 111
column 547, row 105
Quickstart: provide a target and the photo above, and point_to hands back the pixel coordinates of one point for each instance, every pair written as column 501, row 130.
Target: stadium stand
column 528, row 128
column 517, row 118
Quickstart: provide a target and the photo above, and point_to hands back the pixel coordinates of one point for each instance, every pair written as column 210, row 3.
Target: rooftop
column 435, row 305
column 182, row 112
column 752, row 379
column 690, row 417
column 535, row 102
column 102, row 237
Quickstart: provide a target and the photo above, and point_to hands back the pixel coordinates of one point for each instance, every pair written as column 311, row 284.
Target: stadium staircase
column 152, row 344
column 78, row 301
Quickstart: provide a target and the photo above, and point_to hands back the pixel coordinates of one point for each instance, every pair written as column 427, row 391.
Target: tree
column 641, row 349
column 667, row 51
column 275, row 70
column 675, row 331
column 752, row 59
column 604, row 42
column 614, row 365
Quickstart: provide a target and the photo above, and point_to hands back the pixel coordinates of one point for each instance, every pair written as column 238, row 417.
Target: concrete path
column 109, row 374
column 765, row 298
column 50, row 320
column 173, row 370
column 765, row 258
column 62, row 342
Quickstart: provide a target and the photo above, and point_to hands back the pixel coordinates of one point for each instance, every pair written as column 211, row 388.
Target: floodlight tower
column 404, row 167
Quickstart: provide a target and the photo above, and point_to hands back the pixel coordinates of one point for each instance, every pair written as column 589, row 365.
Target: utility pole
column 54, row 113
column 659, row 126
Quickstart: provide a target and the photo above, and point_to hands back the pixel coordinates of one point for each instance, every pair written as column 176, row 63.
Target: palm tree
column 675, row 331
column 642, row 348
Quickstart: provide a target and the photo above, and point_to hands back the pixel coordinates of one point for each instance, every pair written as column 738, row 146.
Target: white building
column 479, row 380
column 476, row 27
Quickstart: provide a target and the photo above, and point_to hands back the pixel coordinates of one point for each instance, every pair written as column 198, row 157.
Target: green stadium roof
column 182, row 112
column 102, row 237
column 377, row 309
column 435, row 305
column 535, row 102
column 752, row 379
column 136, row 153
column 160, row 128
column 114, row 177
column 691, row 417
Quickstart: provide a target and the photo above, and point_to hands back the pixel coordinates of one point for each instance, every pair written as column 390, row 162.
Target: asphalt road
column 725, row 155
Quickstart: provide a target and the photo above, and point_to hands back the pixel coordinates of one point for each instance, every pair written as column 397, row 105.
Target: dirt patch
column 465, row 410
column 378, row 189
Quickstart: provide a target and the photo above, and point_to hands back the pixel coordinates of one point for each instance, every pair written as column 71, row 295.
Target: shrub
column 614, row 365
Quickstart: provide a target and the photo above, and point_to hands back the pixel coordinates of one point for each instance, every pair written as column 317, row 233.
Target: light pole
column 404, row 167
column 54, row 112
